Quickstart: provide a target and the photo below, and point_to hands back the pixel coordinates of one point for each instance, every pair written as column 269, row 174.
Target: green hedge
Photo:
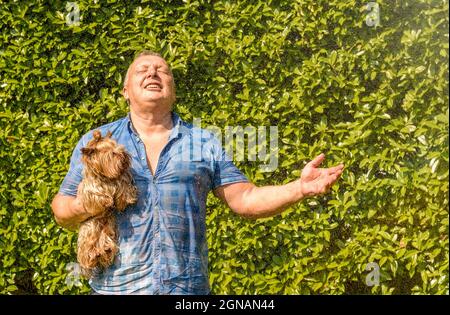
column 373, row 97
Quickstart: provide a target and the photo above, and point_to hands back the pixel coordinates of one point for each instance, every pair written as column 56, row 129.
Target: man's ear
column 125, row 93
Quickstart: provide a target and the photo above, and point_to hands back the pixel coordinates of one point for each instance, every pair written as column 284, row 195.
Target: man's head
column 149, row 83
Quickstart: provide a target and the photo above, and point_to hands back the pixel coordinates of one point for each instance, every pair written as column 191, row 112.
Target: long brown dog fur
column 107, row 186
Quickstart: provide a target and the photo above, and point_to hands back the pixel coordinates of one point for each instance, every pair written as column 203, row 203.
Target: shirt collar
column 177, row 129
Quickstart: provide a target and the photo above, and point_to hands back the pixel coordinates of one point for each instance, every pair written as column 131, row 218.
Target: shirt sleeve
column 74, row 176
column 225, row 172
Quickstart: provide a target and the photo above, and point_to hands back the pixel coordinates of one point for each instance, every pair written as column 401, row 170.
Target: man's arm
column 251, row 201
column 68, row 211
column 254, row 202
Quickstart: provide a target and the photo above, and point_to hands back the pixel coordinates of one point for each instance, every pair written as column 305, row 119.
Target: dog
column 107, row 186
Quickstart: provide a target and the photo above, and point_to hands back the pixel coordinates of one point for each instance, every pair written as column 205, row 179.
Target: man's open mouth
column 153, row 86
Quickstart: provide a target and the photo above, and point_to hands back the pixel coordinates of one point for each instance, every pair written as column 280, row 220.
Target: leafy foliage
column 375, row 98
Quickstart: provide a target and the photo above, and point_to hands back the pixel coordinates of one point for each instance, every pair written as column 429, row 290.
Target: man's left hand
column 317, row 181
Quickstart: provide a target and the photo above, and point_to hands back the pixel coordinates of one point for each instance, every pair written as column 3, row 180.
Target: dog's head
column 102, row 156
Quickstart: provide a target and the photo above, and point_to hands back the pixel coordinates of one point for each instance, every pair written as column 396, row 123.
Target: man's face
column 150, row 83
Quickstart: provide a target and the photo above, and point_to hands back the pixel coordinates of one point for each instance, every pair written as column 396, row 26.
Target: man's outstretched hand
column 250, row 201
column 317, row 181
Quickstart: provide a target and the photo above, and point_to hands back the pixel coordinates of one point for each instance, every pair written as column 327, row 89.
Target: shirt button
column 142, row 158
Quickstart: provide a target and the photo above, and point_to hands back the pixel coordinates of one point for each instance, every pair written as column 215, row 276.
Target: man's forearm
column 267, row 201
column 68, row 211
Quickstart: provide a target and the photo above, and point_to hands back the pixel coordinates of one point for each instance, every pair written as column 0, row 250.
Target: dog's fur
column 107, row 186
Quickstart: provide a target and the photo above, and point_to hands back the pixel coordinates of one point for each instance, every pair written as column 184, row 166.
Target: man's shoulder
column 113, row 126
column 209, row 133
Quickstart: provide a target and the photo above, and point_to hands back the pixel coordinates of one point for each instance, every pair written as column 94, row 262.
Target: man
column 162, row 238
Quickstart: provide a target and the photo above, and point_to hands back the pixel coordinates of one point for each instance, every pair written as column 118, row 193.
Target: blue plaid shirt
column 162, row 238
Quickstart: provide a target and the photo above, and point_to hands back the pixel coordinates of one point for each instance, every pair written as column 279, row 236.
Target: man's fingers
column 335, row 169
column 327, row 182
column 335, row 177
column 317, row 160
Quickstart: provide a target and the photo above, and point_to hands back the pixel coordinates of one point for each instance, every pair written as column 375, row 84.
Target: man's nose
column 151, row 72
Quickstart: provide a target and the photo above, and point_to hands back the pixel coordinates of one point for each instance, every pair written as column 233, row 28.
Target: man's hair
column 139, row 54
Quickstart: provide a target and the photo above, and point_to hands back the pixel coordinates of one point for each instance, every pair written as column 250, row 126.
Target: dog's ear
column 109, row 134
column 97, row 135
column 88, row 151
column 123, row 157
column 115, row 163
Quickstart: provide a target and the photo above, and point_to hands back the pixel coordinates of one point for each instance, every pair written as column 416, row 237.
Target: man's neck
column 147, row 124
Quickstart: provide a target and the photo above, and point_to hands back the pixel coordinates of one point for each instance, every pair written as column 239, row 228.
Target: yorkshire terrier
column 107, row 186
